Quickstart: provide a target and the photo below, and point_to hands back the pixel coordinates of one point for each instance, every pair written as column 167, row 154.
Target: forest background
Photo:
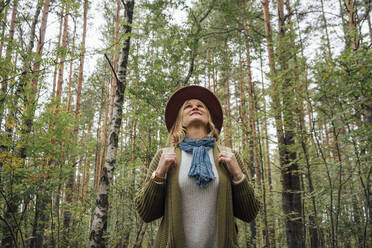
column 80, row 120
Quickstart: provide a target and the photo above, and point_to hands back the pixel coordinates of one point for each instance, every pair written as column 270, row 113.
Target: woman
column 196, row 185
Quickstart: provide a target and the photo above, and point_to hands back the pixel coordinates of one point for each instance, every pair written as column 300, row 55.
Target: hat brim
column 176, row 101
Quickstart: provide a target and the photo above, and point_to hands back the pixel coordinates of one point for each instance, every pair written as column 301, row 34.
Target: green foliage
column 331, row 92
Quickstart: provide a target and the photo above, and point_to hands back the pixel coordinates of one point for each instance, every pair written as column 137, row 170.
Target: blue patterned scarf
column 201, row 166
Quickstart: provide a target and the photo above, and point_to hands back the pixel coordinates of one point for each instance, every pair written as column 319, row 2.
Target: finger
column 222, row 153
column 221, row 159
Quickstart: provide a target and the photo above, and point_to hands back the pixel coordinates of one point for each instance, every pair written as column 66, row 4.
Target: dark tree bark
column 291, row 196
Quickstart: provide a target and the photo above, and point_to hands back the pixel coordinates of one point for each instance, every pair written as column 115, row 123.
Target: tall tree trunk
column 41, row 218
column 7, row 61
column 99, row 223
column 140, row 235
column 110, row 95
column 209, row 68
column 63, row 56
column 271, row 222
column 269, row 44
column 252, row 109
column 226, row 98
column 102, row 152
column 3, row 15
column 326, row 30
column 242, row 110
column 300, row 89
column 274, row 93
column 80, row 84
column 29, row 111
column 86, row 174
column 57, row 59
column 115, row 58
column 9, row 222
column 214, row 76
column 69, row 184
column 353, row 37
column 292, row 205
column 343, row 22
column 82, row 59
column 227, row 108
column 369, row 27
column 69, row 93
column 99, row 140
column 71, row 177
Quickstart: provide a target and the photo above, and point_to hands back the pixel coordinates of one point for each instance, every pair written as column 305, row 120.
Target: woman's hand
column 166, row 160
column 232, row 164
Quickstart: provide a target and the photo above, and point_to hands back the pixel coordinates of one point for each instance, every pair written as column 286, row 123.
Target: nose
column 195, row 107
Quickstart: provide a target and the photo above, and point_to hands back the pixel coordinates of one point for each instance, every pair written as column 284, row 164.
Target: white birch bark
column 99, row 223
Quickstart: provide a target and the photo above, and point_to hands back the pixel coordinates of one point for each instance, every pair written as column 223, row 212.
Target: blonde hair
column 178, row 131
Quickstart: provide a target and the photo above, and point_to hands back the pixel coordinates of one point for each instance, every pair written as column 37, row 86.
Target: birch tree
column 99, row 222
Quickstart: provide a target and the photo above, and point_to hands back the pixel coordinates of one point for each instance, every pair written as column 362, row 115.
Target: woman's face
column 195, row 113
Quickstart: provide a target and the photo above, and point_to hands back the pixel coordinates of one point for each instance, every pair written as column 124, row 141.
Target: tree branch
column 112, row 68
column 196, row 41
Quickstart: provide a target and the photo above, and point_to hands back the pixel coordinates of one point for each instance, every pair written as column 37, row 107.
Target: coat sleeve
column 246, row 205
column 150, row 199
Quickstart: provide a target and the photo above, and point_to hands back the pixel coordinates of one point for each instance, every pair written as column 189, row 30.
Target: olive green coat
column 164, row 200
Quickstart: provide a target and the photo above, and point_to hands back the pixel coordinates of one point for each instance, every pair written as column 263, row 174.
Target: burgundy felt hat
column 176, row 101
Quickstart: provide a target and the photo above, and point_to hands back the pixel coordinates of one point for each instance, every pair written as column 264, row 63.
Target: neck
column 196, row 133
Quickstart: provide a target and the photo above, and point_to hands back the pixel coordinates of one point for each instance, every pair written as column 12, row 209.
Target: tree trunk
column 63, row 56
column 209, row 69
column 352, row 35
column 140, row 235
column 69, row 93
column 226, row 99
column 9, row 232
column 271, row 219
column 41, row 216
column 71, row 173
column 41, row 219
column 80, row 81
column 4, row 13
column 269, row 44
column 227, row 108
column 214, row 76
column 292, row 205
column 71, row 177
column 82, row 59
column 57, row 59
column 369, row 27
column 99, row 223
column 252, row 109
column 8, row 57
column 242, row 110
column 102, row 152
column 326, row 30
column 29, row 111
column 115, row 59
column 86, row 174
